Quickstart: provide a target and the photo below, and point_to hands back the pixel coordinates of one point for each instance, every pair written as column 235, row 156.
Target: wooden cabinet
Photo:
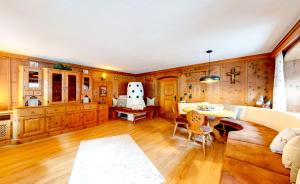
column 103, row 113
column 74, row 116
column 28, row 124
column 55, row 119
column 61, row 86
column 90, row 114
column 30, row 85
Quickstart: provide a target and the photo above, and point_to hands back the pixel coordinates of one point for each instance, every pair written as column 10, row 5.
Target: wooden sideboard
column 31, row 123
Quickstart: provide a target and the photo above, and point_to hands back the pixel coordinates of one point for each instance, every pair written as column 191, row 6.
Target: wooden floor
column 50, row 160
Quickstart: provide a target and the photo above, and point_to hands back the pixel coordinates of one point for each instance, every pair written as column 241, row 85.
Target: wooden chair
column 178, row 119
column 197, row 126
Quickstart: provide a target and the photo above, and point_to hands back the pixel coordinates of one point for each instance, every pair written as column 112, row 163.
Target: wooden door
column 167, row 96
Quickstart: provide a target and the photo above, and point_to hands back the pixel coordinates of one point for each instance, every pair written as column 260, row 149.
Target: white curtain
column 279, row 91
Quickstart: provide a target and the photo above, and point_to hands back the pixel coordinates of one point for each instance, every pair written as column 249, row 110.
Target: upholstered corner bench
column 248, row 158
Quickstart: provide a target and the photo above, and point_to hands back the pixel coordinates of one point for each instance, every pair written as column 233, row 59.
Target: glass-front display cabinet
column 61, row 86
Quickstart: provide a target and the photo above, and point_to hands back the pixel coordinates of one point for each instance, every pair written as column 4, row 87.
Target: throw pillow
column 282, row 138
column 291, row 157
column 114, row 102
column 150, row 101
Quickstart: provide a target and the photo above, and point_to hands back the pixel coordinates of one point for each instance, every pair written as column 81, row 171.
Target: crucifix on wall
column 233, row 73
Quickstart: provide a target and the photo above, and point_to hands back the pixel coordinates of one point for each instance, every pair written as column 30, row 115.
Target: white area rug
column 113, row 160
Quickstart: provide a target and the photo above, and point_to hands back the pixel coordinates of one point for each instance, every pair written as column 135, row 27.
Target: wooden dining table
column 217, row 116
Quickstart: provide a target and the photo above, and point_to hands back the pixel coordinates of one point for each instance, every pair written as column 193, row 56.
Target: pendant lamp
column 209, row 78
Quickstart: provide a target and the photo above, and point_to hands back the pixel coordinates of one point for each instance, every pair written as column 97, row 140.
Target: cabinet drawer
column 90, row 106
column 103, row 107
column 28, row 92
column 71, row 108
column 55, row 109
column 31, row 111
column 37, row 93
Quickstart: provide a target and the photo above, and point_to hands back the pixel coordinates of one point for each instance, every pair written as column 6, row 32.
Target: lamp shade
column 210, row 79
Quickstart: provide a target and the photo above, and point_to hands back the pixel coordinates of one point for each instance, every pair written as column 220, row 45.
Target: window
column 292, row 78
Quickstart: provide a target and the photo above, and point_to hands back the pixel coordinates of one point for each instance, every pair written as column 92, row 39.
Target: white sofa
column 276, row 120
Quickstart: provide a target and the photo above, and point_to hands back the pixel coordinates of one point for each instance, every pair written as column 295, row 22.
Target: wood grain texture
column 255, row 79
column 116, row 82
column 5, row 92
column 237, row 172
column 50, row 160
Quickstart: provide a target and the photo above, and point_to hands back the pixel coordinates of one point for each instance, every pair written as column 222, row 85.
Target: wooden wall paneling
column 246, row 89
column 212, row 94
column 5, row 85
column 260, row 79
column 233, row 91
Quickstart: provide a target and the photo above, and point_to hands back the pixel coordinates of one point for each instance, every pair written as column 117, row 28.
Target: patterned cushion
column 282, row 138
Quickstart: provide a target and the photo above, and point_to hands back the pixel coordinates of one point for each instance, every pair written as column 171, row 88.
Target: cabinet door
column 75, row 119
column 54, row 81
column 90, row 117
column 103, row 115
column 31, row 126
column 55, row 122
column 72, row 87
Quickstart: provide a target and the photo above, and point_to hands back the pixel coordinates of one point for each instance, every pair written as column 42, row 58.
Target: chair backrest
column 175, row 110
column 195, row 120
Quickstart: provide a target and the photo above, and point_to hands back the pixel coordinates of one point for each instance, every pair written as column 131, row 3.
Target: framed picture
column 102, row 91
